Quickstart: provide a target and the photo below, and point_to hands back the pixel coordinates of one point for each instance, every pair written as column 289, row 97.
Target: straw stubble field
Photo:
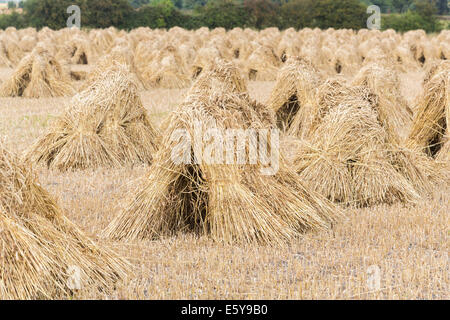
column 408, row 244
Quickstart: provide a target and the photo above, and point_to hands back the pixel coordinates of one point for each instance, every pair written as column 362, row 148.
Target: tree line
column 402, row 6
column 257, row 14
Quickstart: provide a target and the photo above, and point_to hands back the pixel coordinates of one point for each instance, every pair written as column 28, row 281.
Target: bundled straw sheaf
column 232, row 203
column 263, row 64
column 10, row 51
column 39, row 246
column 294, row 94
column 38, row 75
column 203, row 59
column 430, row 132
column 167, row 70
column 350, row 156
column 120, row 55
column 393, row 109
column 104, row 125
column 75, row 51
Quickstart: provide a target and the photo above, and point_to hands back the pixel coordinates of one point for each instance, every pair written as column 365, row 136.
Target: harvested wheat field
column 94, row 177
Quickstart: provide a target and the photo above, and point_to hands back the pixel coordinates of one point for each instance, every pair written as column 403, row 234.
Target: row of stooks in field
column 173, row 58
column 343, row 144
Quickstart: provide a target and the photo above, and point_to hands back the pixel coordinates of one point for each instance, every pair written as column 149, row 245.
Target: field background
column 409, row 245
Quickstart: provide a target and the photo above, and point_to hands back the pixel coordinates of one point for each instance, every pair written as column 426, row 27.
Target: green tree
column 297, row 14
column 148, row 16
column 264, row 13
column 224, row 13
column 13, row 20
column 52, row 13
column 422, row 18
column 426, row 8
column 138, row 3
column 178, row 3
column 323, row 14
column 161, row 14
column 402, row 5
column 106, row 13
column 192, row 4
column 386, row 6
column 443, row 7
column 21, row 4
column 167, row 6
column 94, row 13
column 404, row 22
column 12, row 5
column 339, row 14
